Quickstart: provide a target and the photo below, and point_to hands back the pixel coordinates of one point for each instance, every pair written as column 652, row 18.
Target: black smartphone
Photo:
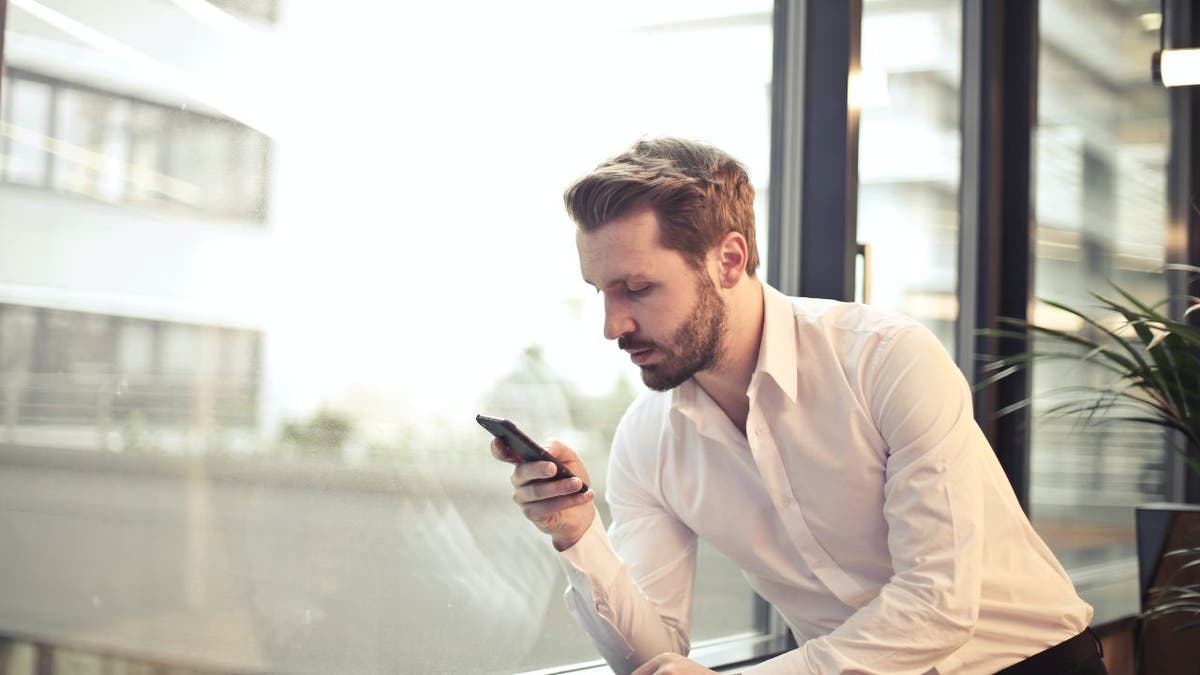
column 523, row 446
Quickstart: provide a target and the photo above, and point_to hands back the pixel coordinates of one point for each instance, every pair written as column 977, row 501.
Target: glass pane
column 907, row 94
column 72, row 362
column 246, row 180
column 135, row 347
column 148, row 134
column 1101, row 149
column 280, row 471
column 240, row 353
column 201, row 159
column 93, row 144
column 17, row 329
column 27, row 130
column 180, row 350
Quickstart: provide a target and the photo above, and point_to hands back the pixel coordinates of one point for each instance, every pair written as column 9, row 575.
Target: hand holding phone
column 524, row 447
column 550, row 495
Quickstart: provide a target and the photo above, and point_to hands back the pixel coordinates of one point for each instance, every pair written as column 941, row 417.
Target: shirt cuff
column 591, row 562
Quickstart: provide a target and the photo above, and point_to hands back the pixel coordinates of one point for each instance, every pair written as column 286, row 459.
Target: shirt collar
column 776, row 354
column 777, row 349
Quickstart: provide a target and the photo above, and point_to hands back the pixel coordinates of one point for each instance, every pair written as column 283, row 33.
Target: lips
column 641, row 356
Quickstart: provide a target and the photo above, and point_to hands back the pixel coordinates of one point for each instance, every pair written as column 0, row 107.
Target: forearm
column 627, row 627
column 896, row 634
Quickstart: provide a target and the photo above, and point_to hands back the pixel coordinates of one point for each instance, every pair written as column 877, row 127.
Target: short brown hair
column 699, row 193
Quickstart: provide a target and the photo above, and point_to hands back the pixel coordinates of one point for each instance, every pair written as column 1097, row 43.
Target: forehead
column 624, row 248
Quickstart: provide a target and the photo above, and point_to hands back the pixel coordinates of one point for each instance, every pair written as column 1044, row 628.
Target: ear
column 731, row 256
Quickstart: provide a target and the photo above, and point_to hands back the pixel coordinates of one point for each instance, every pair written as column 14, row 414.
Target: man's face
column 664, row 312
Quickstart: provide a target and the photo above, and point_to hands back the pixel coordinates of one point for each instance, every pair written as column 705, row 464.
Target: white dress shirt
column 863, row 502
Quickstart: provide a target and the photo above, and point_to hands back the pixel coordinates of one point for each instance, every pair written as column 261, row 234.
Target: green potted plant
column 1151, row 376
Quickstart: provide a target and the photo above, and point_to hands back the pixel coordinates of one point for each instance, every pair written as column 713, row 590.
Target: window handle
column 864, row 250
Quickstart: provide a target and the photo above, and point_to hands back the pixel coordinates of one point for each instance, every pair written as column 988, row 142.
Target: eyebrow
column 626, row 279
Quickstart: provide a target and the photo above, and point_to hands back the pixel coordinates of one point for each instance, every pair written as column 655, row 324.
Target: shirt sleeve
column 631, row 590
column 933, row 506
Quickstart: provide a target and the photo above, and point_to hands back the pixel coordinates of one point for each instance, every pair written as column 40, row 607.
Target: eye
column 636, row 291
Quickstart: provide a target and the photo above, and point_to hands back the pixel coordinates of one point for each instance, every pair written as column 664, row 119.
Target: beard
column 697, row 344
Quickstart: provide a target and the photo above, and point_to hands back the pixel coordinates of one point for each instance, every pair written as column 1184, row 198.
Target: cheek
column 661, row 318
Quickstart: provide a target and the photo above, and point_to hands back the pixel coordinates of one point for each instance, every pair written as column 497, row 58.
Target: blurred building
column 134, row 222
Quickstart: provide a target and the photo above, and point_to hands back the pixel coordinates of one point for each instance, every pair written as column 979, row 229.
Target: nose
column 617, row 319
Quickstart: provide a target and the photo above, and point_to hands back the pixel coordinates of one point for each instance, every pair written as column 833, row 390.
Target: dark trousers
column 1080, row 655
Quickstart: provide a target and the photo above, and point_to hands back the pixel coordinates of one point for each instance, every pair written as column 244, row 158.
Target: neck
column 727, row 381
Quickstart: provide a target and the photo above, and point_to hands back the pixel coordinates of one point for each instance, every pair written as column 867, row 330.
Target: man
column 826, row 448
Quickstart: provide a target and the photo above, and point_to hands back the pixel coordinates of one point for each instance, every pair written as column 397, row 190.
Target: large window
column 907, row 96
column 254, row 449
column 1100, row 199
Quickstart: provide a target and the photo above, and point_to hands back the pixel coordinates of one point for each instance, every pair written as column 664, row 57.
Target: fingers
column 570, row 459
column 501, row 452
column 530, row 471
column 561, row 452
column 540, row 490
column 545, row 509
column 543, row 501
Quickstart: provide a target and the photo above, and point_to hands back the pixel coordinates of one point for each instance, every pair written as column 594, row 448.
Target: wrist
column 563, row 543
column 566, row 540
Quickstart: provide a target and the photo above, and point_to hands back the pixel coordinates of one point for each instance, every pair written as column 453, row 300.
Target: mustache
column 628, row 343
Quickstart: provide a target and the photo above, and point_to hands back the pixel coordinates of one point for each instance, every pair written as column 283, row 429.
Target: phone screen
column 522, row 445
